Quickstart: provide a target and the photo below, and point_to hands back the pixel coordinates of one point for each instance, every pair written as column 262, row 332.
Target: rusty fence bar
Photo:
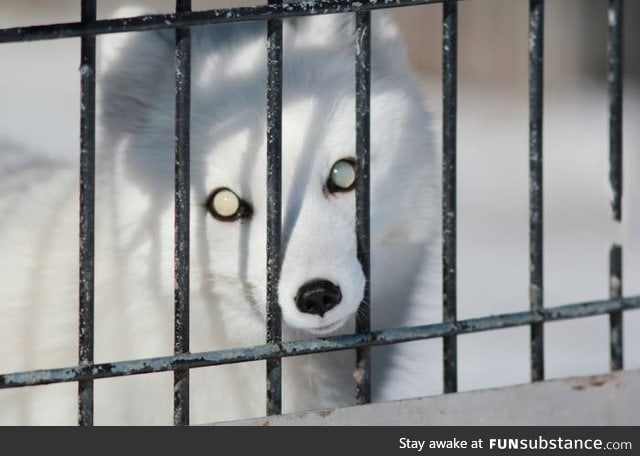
column 274, row 205
column 615, row 317
column 615, row 76
column 182, row 189
column 87, row 210
column 363, row 92
column 449, row 219
column 614, row 51
column 187, row 19
column 305, row 347
column 536, row 287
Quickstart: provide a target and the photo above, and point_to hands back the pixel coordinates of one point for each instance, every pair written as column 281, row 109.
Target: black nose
column 318, row 297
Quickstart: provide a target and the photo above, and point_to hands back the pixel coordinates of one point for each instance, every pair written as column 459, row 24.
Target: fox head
column 321, row 282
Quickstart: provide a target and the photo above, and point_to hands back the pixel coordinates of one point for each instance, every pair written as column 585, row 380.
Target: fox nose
column 318, row 297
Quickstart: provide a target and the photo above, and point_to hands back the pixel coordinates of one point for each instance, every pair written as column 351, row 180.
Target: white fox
column 321, row 282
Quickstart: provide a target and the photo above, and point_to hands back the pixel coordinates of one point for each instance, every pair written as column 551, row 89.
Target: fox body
column 321, row 282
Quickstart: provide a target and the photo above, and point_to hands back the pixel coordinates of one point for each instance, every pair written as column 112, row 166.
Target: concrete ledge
column 612, row 399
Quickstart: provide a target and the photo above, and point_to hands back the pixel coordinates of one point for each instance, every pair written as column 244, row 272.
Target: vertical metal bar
column 614, row 49
column 362, row 372
column 449, row 122
column 274, row 205
column 182, row 185
column 536, row 73
column 615, row 318
column 87, row 211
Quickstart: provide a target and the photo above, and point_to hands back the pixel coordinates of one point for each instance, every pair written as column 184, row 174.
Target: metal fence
column 363, row 339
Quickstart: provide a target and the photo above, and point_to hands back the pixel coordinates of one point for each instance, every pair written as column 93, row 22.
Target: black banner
column 326, row 441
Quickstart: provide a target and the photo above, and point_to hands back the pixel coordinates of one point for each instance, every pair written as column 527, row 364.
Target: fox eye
column 226, row 206
column 342, row 177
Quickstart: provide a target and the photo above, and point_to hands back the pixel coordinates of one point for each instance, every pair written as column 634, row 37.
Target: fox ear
column 134, row 74
column 388, row 48
column 320, row 31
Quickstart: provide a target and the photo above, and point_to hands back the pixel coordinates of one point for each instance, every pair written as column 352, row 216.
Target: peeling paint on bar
column 615, row 78
column 188, row 19
column 362, row 373
column 536, row 99
column 261, row 352
column 87, row 212
column 274, row 212
column 615, row 318
column 449, row 195
column 181, row 223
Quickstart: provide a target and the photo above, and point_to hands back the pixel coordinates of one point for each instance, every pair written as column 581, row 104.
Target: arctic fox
column 321, row 282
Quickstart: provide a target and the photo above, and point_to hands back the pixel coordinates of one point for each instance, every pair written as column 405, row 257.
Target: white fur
column 134, row 225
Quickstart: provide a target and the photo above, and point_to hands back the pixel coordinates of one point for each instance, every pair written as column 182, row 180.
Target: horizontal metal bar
column 188, row 19
column 305, row 347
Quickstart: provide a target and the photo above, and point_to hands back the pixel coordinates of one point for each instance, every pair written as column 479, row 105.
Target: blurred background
column 39, row 87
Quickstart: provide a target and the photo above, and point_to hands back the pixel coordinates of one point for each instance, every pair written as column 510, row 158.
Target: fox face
column 321, row 281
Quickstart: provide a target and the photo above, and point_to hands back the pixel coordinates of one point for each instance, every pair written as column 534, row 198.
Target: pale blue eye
column 342, row 176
